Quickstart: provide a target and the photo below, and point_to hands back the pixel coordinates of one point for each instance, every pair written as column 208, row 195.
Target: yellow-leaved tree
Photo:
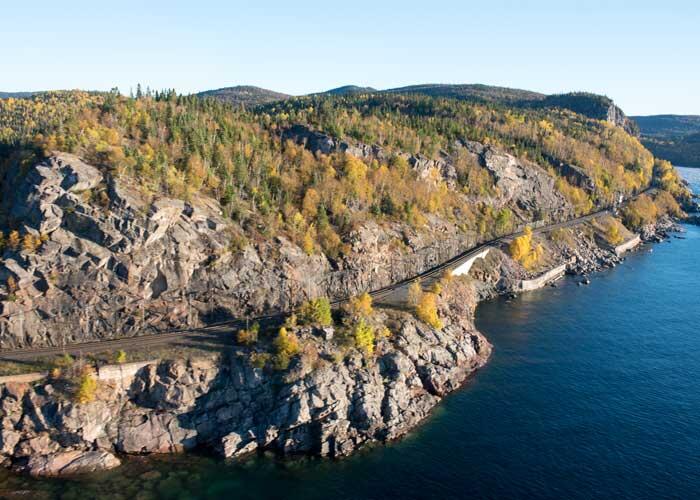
column 426, row 310
column 286, row 347
column 522, row 250
column 364, row 336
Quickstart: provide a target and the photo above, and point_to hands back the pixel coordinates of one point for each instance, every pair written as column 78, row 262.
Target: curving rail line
column 215, row 331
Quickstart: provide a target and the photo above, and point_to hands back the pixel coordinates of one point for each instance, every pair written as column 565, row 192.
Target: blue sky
column 643, row 54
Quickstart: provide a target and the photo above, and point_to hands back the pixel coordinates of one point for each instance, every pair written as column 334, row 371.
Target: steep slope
column 176, row 211
column 593, row 106
column 173, row 212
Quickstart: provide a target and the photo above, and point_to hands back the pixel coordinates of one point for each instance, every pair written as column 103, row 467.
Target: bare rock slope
column 325, row 406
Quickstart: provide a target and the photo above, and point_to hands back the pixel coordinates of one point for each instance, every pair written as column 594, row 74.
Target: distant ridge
column 594, row 106
column 675, row 138
column 350, row 89
column 667, row 126
column 475, row 92
column 17, row 95
column 245, row 95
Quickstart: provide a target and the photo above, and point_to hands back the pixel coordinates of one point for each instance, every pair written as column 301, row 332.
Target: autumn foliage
column 523, row 250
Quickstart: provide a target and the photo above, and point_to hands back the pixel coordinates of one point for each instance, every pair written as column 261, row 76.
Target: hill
column 245, row 95
column 675, row 138
column 472, row 92
column 17, row 95
column 668, row 126
column 350, row 89
column 590, row 105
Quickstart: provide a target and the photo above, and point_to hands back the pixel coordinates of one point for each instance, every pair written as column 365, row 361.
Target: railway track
column 218, row 331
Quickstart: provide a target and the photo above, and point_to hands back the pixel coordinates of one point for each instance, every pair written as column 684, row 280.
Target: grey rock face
column 116, row 262
column 522, row 185
column 328, row 409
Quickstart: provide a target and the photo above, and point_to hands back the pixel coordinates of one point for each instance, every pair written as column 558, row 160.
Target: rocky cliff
column 322, row 405
column 331, row 401
column 107, row 259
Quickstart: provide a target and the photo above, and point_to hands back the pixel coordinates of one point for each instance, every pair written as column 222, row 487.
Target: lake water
column 592, row 392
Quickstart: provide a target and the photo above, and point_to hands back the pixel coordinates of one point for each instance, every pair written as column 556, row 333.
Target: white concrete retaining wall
column 122, row 371
column 628, row 245
column 118, row 373
column 465, row 266
column 542, row 280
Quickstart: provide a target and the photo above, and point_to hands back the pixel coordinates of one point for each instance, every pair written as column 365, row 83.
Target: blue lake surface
column 592, row 392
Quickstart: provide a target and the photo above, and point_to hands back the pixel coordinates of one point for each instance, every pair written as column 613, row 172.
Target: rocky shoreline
column 322, row 405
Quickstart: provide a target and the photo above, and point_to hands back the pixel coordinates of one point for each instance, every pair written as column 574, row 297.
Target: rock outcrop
column 522, row 185
column 322, row 405
column 113, row 261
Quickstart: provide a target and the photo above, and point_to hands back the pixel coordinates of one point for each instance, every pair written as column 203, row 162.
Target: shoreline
column 163, row 389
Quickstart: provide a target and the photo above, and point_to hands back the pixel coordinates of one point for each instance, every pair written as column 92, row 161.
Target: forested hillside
column 121, row 214
column 675, row 138
column 244, row 95
column 590, row 105
column 182, row 146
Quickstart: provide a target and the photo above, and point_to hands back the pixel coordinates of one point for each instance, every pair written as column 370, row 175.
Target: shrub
column 640, row 212
column 426, row 310
column 120, row 357
column 248, row 336
column 562, row 236
column 11, row 285
column 667, row 204
column 575, row 196
column 259, row 359
column 612, row 234
column 87, row 387
column 521, row 249
column 384, row 333
column 13, row 241
column 60, row 365
column 290, row 321
column 360, row 306
column 30, row 243
column 309, row 355
column 446, row 277
column 364, row 336
column 308, row 244
column 286, row 347
column 316, row 312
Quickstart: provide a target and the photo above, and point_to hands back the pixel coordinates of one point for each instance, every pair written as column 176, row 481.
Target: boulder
column 71, row 462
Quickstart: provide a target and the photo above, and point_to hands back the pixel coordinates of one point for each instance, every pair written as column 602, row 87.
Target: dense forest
column 675, row 138
column 187, row 146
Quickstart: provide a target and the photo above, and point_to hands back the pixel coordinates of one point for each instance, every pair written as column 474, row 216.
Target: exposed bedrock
column 324, row 406
column 115, row 262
